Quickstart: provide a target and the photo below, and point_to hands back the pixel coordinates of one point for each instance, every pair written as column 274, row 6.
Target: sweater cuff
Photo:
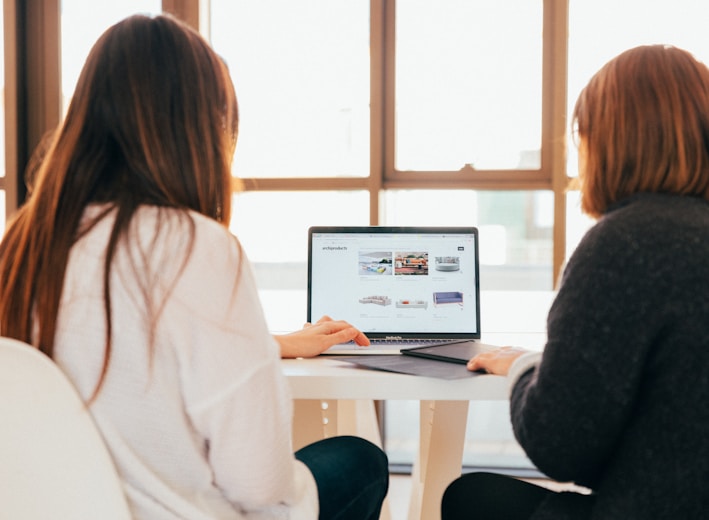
column 520, row 366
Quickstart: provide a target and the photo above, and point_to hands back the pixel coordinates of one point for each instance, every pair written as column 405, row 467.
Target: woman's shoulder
column 647, row 233
column 178, row 216
column 175, row 241
column 198, row 258
column 655, row 218
column 181, row 226
column 659, row 209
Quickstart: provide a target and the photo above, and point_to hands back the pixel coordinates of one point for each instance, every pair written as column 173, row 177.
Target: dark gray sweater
column 620, row 401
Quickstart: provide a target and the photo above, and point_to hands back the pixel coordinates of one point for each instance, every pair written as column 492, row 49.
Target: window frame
column 32, row 57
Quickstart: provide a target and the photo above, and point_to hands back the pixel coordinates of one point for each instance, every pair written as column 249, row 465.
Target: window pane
column 83, row 21
column 468, row 84
column 273, row 229
column 515, row 229
column 623, row 25
column 301, row 72
column 634, row 22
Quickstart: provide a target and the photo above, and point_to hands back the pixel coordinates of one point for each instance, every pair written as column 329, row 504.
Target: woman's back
column 195, row 414
column 619, row 404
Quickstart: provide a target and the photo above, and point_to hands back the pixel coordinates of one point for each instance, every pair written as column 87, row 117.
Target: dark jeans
column 490, row 496
column 352, row 475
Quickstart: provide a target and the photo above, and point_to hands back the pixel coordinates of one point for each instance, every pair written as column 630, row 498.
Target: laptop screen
column 409, row 282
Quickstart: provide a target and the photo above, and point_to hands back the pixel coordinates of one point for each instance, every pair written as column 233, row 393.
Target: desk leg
column 358, row 417
column 308, row 425
column 314, row 419
column 440, row 455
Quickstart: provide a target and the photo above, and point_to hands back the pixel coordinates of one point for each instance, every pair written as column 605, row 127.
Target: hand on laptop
column 317, row 337
column 496, row 361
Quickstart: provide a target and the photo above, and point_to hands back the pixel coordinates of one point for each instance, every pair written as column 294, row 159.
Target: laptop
column 403, row 287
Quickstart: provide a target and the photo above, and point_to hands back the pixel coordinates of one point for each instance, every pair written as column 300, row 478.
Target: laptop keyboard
column 410, row 341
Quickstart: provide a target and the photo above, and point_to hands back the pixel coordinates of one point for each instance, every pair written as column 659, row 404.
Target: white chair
column 53, row 462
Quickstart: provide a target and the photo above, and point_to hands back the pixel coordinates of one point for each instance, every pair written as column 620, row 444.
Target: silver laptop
column 402, row 286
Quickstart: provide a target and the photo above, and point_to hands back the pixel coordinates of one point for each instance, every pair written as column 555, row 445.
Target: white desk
column 334, row 397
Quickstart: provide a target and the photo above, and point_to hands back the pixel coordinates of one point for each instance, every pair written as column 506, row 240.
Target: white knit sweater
column 199, row 424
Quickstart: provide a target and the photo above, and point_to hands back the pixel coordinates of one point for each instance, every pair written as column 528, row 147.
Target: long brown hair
column 643, row 121
column 153, row 121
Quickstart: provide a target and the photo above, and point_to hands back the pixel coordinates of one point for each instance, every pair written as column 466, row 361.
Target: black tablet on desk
column 459, row 352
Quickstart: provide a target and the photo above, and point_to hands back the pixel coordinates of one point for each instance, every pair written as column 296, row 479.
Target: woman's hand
column 315, row 338
column 496, row 361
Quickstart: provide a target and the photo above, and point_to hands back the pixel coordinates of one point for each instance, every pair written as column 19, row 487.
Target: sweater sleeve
column 569, row 413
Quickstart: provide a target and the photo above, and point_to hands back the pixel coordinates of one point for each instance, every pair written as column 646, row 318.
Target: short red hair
column 643, row 120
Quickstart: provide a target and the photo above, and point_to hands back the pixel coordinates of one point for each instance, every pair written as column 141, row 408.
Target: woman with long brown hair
column 120, row 267
column 617, row 401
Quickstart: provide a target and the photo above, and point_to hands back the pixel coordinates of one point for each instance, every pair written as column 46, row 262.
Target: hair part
column 643, row 124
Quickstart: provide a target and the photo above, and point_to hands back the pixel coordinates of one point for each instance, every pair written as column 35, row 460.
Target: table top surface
column 325, row 378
